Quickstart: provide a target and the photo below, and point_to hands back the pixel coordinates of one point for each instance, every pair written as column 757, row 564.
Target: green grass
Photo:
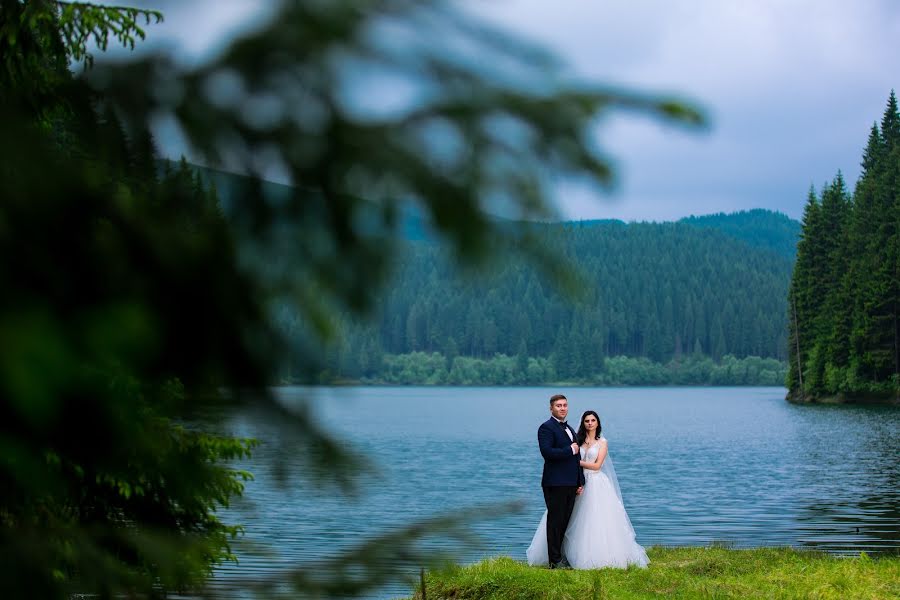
column 714, row 572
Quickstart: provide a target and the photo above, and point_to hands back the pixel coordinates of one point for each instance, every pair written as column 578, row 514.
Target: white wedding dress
column 599, row 533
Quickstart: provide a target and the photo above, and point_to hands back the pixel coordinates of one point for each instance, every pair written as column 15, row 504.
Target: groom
column 563, row 478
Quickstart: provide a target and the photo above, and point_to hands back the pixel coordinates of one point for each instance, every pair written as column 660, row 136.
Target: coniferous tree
column 836, row 314
column 802, row 301
column 873, row 230
column 891, row 230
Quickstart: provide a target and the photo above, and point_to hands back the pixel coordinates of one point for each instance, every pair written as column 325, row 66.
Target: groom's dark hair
column 556, row 397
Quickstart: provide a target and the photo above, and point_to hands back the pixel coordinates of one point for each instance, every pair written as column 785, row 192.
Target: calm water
column 696, row 466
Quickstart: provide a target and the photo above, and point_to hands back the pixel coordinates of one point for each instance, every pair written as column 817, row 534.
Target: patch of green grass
column 715, row 572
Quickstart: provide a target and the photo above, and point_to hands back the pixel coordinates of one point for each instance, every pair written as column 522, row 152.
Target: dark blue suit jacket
column 561, row 467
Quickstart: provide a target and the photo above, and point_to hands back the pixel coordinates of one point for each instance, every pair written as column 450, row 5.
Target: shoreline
column 845, row 400
column 562, row 384
column 840, row 399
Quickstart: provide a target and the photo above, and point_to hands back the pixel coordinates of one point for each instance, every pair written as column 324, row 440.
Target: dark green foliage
column 844, row 302
column 113, row 284
column 104, row 488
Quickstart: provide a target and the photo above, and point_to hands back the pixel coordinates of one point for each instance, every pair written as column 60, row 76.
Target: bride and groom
column 585, row 525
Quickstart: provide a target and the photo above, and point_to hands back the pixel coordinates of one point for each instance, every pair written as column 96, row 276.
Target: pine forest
column 699, row 301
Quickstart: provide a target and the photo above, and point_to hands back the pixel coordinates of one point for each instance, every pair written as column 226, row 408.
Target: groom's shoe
column 563, row 564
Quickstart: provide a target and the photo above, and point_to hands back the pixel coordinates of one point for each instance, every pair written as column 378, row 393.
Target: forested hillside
column 845, row 290
column 761, row 228
column 652, row 294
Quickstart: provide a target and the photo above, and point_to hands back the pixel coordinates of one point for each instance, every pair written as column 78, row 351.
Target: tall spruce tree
column 890, row 130
column 836, row 315
column 873, row 233
column 802, row 299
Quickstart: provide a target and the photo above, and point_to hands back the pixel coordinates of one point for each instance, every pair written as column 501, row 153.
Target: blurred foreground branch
column 132, row 295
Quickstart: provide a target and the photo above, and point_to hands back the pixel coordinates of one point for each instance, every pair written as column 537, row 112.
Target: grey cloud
column 791, row 87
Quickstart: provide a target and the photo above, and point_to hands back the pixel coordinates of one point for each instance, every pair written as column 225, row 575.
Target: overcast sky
column 791, row 88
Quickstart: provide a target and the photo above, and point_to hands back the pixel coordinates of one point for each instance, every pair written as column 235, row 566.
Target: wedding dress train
column 599, row 533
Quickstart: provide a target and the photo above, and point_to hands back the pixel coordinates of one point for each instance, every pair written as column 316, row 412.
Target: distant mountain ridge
column 760, row 228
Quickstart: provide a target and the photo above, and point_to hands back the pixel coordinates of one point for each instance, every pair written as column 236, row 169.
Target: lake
column 696, row 465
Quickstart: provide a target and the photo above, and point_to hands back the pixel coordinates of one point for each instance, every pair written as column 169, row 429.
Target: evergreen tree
column 802, row 301
column 873, row 232
column 836, row 314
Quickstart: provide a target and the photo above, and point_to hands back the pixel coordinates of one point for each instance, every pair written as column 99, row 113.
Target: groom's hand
column 579, row 490
column 574, row 448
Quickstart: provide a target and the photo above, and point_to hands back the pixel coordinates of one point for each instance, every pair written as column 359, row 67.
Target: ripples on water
column 696, row 466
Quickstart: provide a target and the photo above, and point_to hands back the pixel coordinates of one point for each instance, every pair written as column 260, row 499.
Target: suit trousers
column 560, row 501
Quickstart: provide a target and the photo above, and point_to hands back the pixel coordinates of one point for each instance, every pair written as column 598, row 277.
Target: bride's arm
column 601, row 456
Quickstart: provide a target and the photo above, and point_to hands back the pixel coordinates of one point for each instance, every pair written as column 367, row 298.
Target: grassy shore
column 680, row 573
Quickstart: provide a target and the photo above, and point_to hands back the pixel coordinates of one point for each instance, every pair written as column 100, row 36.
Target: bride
column 599, row 533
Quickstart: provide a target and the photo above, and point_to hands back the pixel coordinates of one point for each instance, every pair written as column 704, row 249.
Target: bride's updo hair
column 582, row 432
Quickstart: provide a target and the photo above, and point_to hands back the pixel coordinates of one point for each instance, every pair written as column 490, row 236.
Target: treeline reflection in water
column 697, row 466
